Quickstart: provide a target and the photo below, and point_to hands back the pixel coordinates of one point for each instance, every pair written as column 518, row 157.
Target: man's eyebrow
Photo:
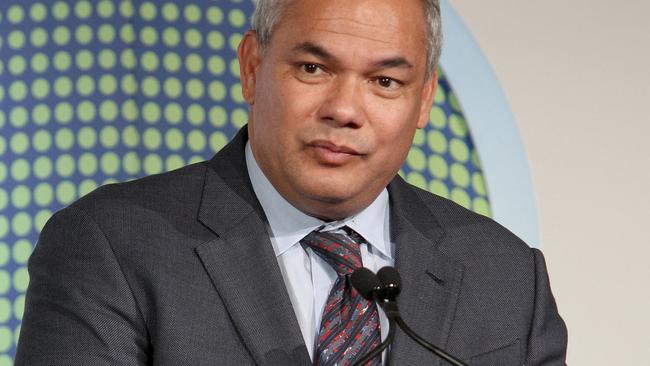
column 397, row 62
column 314, row 49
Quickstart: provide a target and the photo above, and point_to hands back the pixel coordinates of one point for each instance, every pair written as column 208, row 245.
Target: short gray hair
column 268, row 12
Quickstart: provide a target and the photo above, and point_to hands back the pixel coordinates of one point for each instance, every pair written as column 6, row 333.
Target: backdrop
column 94, row 92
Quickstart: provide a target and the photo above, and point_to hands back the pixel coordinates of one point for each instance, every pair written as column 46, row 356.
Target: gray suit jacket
column 178, row 269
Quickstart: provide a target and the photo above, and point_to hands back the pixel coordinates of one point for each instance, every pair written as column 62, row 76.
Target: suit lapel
column 242, row 265
column 431, row 281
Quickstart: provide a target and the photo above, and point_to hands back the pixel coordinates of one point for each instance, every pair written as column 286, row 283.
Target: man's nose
column 343, row 105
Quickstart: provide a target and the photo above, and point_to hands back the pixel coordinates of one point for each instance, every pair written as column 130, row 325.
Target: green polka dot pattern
column 94, row 92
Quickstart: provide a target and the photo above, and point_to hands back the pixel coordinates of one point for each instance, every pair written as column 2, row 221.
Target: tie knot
column 340, row 250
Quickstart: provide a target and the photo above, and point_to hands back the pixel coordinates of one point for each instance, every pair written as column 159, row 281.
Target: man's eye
column 387, row 83
column 310, row 68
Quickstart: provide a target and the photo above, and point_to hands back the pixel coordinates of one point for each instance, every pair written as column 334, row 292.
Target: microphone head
column 391, row 282
column 366, row 283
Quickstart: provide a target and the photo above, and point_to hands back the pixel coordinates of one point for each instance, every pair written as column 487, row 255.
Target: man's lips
column 332, row 154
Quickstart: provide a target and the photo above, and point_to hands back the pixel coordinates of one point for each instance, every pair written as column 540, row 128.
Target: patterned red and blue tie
column 350, row 324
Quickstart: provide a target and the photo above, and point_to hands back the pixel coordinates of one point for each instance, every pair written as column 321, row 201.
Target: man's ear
column 249, row 56
column 428, row 93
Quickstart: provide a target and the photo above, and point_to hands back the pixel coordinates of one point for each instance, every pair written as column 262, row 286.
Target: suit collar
column 241, row 263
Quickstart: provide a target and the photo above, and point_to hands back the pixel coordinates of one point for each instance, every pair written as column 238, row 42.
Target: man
column 230, row 261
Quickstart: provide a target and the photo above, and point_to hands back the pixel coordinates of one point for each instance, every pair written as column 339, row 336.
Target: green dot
column 3, row 145
column 195, row 159
column 106, row 33
column 18, row 116
column 217, row 90
column 195, row 114
column 84, row 59
column 196, row 140
column 64, row 139
column 148, row 11
column 19, row 308
column 152, row 164
column 173, row 113
column 171, row 37
column 214, row 15
column 459, row 150
column 109, row 137
column 43, row 194
column 130, row 110
column 86, row 186
column 217, row 141
column 194, row 63
column 19, row 143
column 234, row 41
column 21, row 251
column 65, row 192
column 16, row 39
column 438, row 167
column 4, row 200
column 4, row 256
column 64, row 165
column 83, row 9
column 60, row 10
column 105, row 8
column 15, row 14
column 149, row 61
column 38, row 12
column 216, row 65
column 19, row 170
column 453, row 102
column 86, row 137
column 42, row 140
column 481, row 206
column 236, row 18
column 461, row 197
column 88, row 164
column 85, row 85
column 151, row 112
column 192, row 13
column 4, row 229
column 234, row 67
column 478, row 183
column 151, row 138
column 86, row 111
column 62, row 61
column 171, row 62
column 106, row 59
column 148, row 36
column 417, row 180
column 174, row 162
column 41, row 219
column 5, row 279
column 172, row 87
column 128, row 84
column 83, row 34
column 416, row 159
column 38, row 37
column 21, row 279
column 238, row 117
column 40, row 88
column 127, row 34
column 194, row 88
column 218, row 116
column 170, row 12
column 107, row 84
column 193, row 38
column 419, row 137
column 21, row 196
column 63, row 112
column 457, row 125
column 5, row 310
column 108, row 110
column 236, row 93
column 460, row 175
column 61, row 35
column 131, row 163
column 437, row 117
column 17, row 65
column 6, row 336
column 18, row 90
column 109, row 163
column 439, row 187
column 215, row 40
column 62, row 86
column 150, row 86
column 21, row 224
column 42, row 167
column 174, row 139
column 126, row 8
column 440, row 96
column 39, row 62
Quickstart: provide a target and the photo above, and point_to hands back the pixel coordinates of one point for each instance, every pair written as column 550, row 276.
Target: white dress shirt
column 307, row 276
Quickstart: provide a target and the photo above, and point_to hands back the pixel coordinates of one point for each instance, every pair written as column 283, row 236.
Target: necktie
column 349, row 324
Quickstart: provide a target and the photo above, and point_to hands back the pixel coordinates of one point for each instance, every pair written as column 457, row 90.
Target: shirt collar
column 288, row 225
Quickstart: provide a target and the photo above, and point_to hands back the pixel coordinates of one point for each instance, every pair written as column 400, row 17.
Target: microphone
column 385, row 295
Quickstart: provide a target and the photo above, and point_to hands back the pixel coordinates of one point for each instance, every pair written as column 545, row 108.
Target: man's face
column 336, row 98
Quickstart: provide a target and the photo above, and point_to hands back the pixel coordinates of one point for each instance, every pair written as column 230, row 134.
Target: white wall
column 577, row 75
